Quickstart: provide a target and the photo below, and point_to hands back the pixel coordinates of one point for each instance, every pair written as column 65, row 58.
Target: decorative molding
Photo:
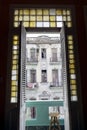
column 43, row 39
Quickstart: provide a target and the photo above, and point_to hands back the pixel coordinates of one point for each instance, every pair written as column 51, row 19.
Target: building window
column 41, row 19
column 54, row 55
column 45, row 18
column 30, row 113
column 44, row 75
column 55, row 80
column 33, row 76
column 33, row 53
column 43, row 53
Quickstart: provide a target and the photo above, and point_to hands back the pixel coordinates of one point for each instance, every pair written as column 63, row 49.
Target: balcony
column 55, row 84
column 55, row 60
column 32, row 60
column 32, row 85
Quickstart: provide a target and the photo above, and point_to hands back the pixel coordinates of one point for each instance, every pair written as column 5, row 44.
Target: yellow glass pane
column 26, row 24
column 52, row 24
column 15, row 37
column 26, row 18
column 20, row 18
column 45, row 12
column 16, row 24
column 70, row 37
column 16, row 12
column 32, row 18
column 64, row 18
column 15, row 18
column 15, row 52
column 71, row 66
column 64, row 12
column 13, row 82
column 45, row 18
column 13, row 94
column 39, row 18
column 72, row 71
column 68, row 18
column 59, row 12
column 26, row 12
column 71, row 56
column 71, row 61
column 70, row 47
column 70, row 42
column 15, row 42
column 14, row 61
column 73, row 86
column 20, row 12
column 68, row 12
column 14, row 88
column 70, row 51
column 52, row 18
column 15, row 57
column 39, row 11
column 69, row 24
column 32, row 24
column 73, row 92
column 72, row 81
column 32, row 11
column 14, row 67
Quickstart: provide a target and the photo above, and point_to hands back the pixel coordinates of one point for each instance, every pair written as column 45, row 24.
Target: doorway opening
column 45, row 91
column 43, row 69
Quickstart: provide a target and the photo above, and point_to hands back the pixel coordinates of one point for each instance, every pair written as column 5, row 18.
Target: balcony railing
column 55, row 84
column 32, row 85
column 32, row 60
column 55, row 60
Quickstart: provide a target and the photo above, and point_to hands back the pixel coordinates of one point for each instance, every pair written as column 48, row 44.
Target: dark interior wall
column 82, row 44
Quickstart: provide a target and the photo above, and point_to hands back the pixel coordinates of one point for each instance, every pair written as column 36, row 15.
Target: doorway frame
column 77, row 105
